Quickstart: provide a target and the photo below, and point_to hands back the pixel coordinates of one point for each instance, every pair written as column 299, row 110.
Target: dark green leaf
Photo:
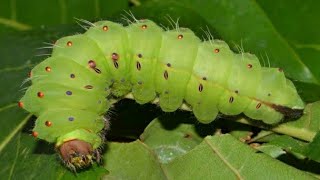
column 224, row 157
column 132, row 161
column 24, row 15
column 314, row 148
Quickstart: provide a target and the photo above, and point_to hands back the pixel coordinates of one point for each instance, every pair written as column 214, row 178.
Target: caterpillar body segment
column 71, row 90
column 145, row 41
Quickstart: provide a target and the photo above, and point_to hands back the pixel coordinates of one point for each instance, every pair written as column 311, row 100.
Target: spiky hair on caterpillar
column 72, row 89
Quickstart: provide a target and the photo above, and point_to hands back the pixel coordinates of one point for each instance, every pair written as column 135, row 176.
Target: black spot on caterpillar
column 68, row 91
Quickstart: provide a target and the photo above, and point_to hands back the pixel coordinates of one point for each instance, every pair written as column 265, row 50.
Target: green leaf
column 25, row 15
column 300, row 30
column 132, row 160
column 169, row 138
column 272, row 150
column 224, row 157
column 289, row 144
column 314, row 148
column 298, row 148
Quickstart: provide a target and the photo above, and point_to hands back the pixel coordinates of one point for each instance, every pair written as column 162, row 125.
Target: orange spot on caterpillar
column 69, row 43
column 144, row 26
column 231, row 99
column 138, row 65
column 40, row 94
column 105, row 28
column 48, row 123
column 20, row 104
column 258, row 106
column 180, row 36
column 115, row 56
column 200, row 88
column 48, row 69
column 35, row 134
column 249, row 66
column 30, row 74
column 166, row 75
column 280, row 69
column 216, row 50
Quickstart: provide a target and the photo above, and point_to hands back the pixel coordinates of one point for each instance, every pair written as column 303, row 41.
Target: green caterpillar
column 72, row 89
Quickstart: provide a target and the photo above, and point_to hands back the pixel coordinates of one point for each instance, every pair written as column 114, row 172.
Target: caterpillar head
column 77, row 154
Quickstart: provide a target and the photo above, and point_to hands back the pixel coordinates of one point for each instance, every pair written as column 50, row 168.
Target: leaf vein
column 15, row 24
column 233, row 169
column 8, row 106
column 7, row 69
column 16, row 157
column 14, row 132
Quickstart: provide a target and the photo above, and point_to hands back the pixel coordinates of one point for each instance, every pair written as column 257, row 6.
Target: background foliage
column 145, row 143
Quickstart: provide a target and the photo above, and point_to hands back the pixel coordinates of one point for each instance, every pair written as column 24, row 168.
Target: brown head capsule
column 77, row 154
